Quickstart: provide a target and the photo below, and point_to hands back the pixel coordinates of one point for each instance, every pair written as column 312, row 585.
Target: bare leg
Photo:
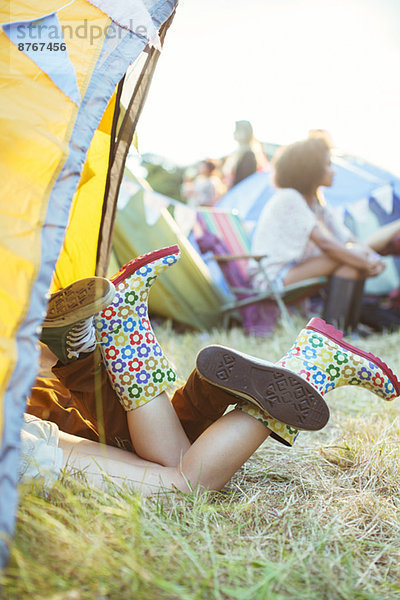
column 319, row 266
column 156, row 432
column 348, row 272
column 101, row 463
column 343, row 303
column 210, row 462
column 222, row 449
column 382, row 236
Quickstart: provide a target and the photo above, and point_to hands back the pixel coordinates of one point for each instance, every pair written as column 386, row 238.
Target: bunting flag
column 43, row 42
column 153, row 205
column 132, row 15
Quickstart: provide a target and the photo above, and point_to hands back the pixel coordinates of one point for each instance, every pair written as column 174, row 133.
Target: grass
column 319, row 521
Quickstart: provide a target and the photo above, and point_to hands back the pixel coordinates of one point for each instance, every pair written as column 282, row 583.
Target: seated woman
column 116, row 394
column 301, row 237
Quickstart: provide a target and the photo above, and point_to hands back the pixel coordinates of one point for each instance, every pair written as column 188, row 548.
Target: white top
column 284, row 228
column 205, row 191
column 40, row 455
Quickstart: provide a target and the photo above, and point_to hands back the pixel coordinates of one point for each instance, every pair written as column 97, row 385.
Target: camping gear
column 362, row 195
column 186, row 294
column 69, row 116
column 137, row 368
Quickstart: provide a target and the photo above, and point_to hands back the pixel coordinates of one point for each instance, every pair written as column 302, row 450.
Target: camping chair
column 221, row 232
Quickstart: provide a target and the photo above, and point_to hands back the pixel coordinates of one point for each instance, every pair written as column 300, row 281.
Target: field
column 320, row 521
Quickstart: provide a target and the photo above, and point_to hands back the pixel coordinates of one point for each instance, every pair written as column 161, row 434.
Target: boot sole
column 281, row 393
column 78, row 301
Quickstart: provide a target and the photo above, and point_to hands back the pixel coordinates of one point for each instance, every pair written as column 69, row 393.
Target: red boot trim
column 141, row 261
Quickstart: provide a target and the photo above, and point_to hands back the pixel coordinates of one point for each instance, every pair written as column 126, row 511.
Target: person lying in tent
column 116, row 394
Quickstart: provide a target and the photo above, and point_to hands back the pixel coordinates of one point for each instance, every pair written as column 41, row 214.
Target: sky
column 285, row 65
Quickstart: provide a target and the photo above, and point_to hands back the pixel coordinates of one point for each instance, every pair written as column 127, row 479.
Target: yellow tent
column 63, row 149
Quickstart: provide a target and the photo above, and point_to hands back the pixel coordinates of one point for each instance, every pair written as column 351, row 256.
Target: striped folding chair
column 222, row 232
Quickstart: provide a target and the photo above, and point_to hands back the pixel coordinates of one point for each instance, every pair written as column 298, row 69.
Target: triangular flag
column 127, row 190
column 185, row 217
column 132, row 15
column 153, row 205
column 384, row 196
column 43, row 42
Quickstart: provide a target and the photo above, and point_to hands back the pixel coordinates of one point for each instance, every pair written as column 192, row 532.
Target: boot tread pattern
column 78, row 301
column 225, row 367
column 287, row 390
column 278, row 392
column 71, row 298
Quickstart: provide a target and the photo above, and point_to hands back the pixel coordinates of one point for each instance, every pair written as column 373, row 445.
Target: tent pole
column 120, row 150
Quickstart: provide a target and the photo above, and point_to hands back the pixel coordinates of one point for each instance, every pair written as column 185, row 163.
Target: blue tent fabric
column 351, row 183
column 120, row 49
column 249, row 196
column 355, row 196
column 376, row 171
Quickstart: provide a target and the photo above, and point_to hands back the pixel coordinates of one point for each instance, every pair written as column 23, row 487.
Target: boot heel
column 135, row 362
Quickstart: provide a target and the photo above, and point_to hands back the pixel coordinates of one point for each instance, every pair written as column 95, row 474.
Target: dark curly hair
column 301, row 165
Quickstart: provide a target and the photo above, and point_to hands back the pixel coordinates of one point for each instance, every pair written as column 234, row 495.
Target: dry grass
column 320, row 521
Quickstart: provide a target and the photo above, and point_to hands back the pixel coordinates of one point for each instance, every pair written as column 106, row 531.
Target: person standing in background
column 247, row 159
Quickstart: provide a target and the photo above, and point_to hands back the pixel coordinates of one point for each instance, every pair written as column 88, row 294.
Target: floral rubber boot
column 135, row 362
column 326, row 361
column 321, row 356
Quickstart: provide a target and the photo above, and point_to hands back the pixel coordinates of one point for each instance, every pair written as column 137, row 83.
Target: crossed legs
column 320, row 266
column 209, row 462
column 343, row 303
